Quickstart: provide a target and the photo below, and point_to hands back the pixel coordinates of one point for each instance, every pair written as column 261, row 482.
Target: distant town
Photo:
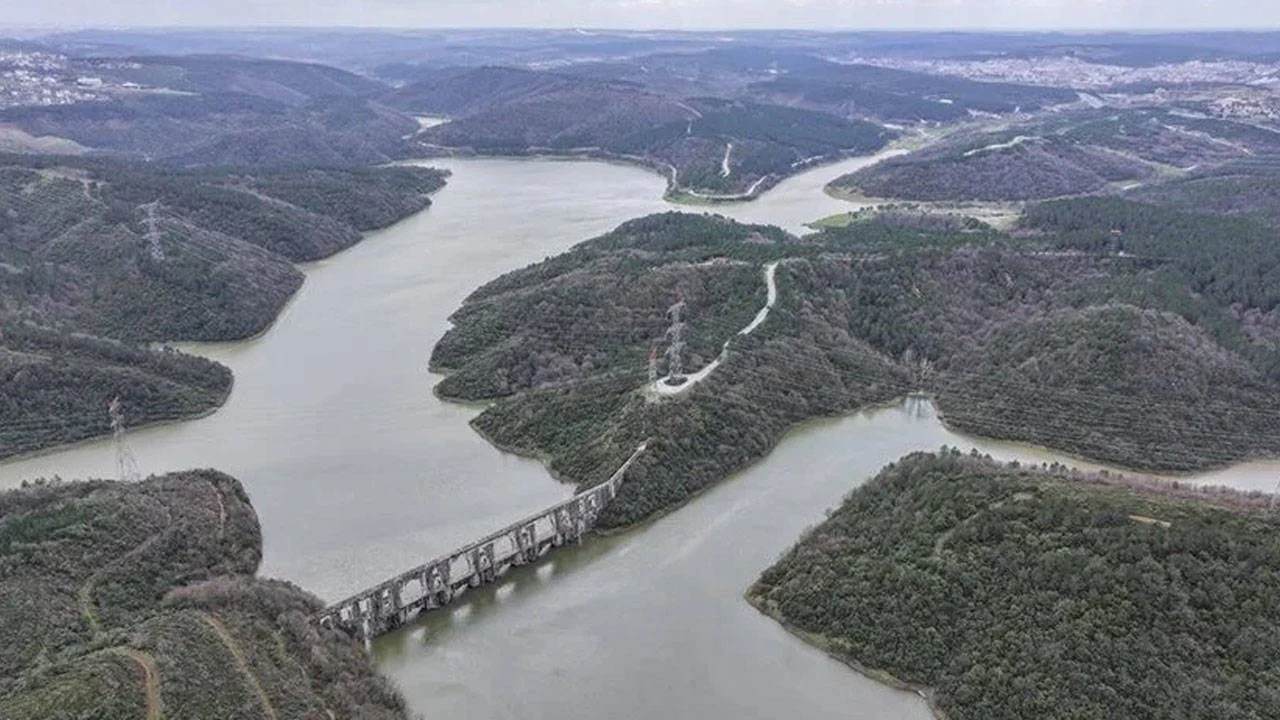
column 35, row 78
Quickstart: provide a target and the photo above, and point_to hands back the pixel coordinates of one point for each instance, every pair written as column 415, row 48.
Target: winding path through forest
column 661, row 387
column 242, row 664
column 150, row 679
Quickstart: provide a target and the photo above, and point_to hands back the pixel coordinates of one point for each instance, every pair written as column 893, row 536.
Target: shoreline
column 1104, row 466
column 194, row 347
column 674, row 193
column 54, row 449
column 1078, row 463
column 827, row 646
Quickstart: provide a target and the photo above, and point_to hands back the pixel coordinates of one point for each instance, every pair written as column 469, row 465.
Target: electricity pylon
column 126, row 463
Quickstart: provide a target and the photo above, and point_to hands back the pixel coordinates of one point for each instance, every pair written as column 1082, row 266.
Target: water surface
column 358, row 472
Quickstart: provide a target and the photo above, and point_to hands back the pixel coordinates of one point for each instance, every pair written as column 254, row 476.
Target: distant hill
column 129, row 600
column 460, row 92
column 705, row 146
column 1070, row 154
column 209, row 110
column 1250, row 187
column 767, row 75
column 1009, row 167
column 901, row 96
column 289, row 82
column 1226, row 194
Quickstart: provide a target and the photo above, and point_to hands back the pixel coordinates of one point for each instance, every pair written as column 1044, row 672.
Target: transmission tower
column 675, row 352
column 675, row 362
column 126, row 463
column 653, row 365
column 676, row 311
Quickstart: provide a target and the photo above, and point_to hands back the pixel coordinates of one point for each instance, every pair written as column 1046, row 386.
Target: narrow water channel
column 651, row 623
column 358, row 472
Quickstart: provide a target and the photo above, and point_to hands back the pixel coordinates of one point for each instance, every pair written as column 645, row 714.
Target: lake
column 358, row 472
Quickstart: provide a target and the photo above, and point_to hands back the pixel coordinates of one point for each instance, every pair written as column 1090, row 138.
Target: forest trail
column 151, row 677
column 85, row 594
column 222, row 510
column 241, row 663
column 746, row 195
column 660, row 387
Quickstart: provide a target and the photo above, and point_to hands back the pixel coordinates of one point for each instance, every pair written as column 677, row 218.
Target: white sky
column 667, row 14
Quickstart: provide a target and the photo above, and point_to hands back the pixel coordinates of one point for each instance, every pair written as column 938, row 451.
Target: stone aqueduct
column 436, row 583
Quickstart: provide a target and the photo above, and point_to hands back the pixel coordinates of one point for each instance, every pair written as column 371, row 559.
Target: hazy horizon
column 1076, row 16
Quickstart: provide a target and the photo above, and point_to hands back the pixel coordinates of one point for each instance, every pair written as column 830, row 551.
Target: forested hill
column 147, row 253
column 206, row 110
column 130, row 600
column 459, row 92
column 1110, row 330
column 95, row 252
column 1017, row 593
column 706, row 146
column 792, row 76
column 902, row 96
column 1167, row 156
column 294, row 83
column 1247, row 187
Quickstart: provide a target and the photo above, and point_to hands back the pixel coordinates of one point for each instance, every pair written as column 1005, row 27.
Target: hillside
column 207, row 110
column 459, row 92
column 55, row 386
column 138, row 600
column 97, row 252
column 1015, row 592
column 1152, row 372
column 1247, row 188
column 1165, row 361
column 1018, row 168
column 146, row 253
column 901, row 96
column 289, row 82
column 1075, row 154
column 705, row 146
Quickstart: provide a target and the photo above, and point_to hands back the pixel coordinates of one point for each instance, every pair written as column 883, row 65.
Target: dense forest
column 145, row 253
column 902, row 96
column 1109, row 329
column 96, row 253
column 1015, row 592
column 787, row 76
column 1068, row 154
column 139, row 600
column 228, row 111
column 1250, row 188
column 705, row 145
column 55, row 386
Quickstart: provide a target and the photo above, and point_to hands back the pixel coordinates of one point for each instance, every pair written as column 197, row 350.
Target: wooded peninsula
column 1007, row 592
